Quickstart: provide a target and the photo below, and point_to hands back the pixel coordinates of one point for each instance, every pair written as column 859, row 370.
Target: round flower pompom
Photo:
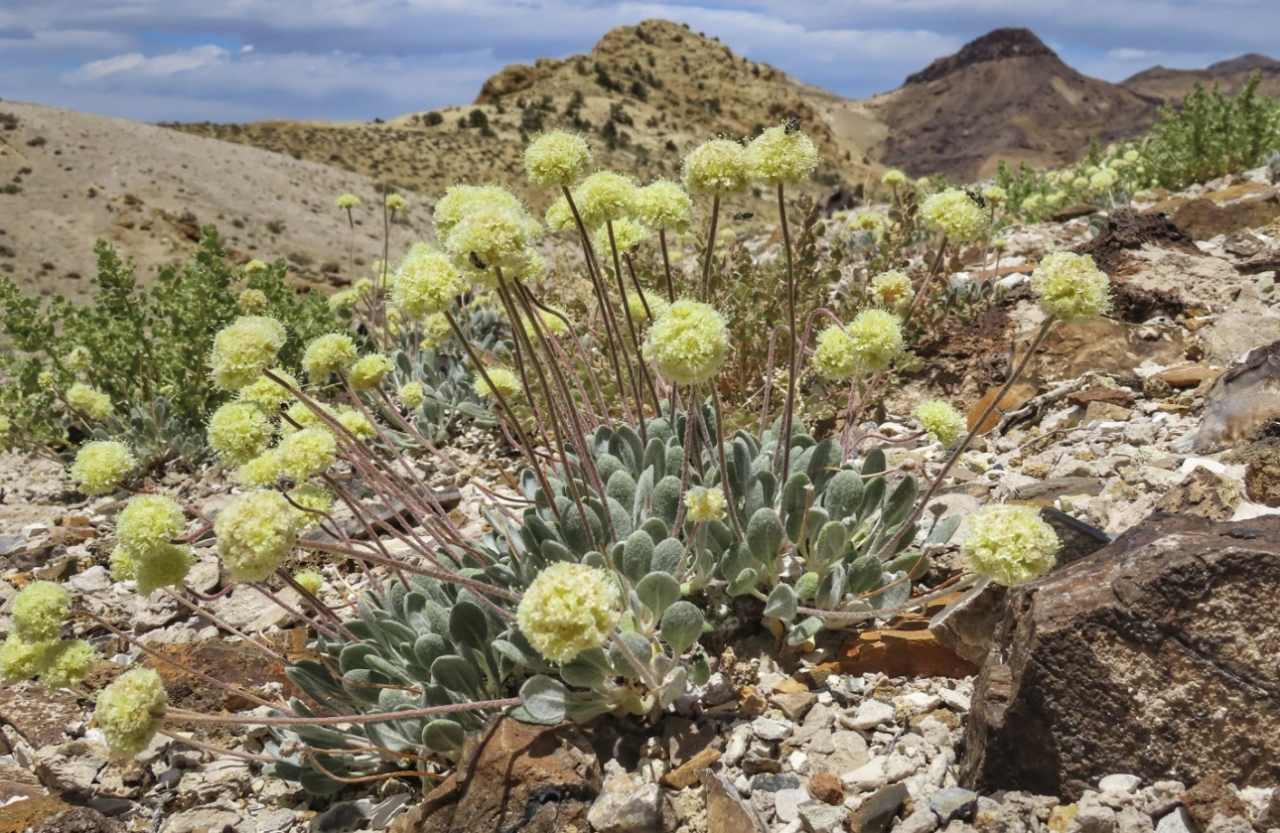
column 872, row 221
column 646, row 306
column 559, row 216
column 491, row 237
column 877, row 339
column 781, row 157
column 305, row 417
column 460, row 200
column 368, row 371
column 310, row 500
column 5, row 427
column 148, row 522
column 426, row 283
column 122, row 564
column 79, row 359
column 307, row 453
column 412, row 394
column 20, row 659
column 892, row 289
column 356, row 423
column 1071, row 287
column 436, row 331
column 101, row 465
column 255, row 533
column 663, row 204
column 66, row 663
column 252, row 301
column 706, row 504
column 239, row 431
column 267, row 393
column 347, row 201
column 955, row 214
column 503, row 380
column 245, row 348
column 326, row 354
column 994, row 194
column 569, row 608
column 833, row 356
column 89, row 401
column 131, row 710
column 605, row 196
column 260, row 472
column 309, row 580
column 255, row 267
column 39, row 611
column 1011, row 544
column 553, row 324
column 557, row 159
column 164, row 566
column 688, row 342
column 717, row 168
column 627, row 234
column 893, row 178
column 396, row 202
column 943, row 422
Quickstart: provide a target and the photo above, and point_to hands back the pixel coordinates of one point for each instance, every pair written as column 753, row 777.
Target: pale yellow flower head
column 646, row 307
column 892, row 290
column 39, row 611
column 148, row 522
column 131, row 710
column 255, row 533
column 717, row 168
column 426, row 283
column 663, row 204
column 164, row 566
column 329, row 353
column 877, row 339
column 605, row 196
column 396, row 202
column 893, row 178
column 955, row 214
column 943, row 422
column 706, row 504
column 368, row 371
column 20, row 659
column 493, row 237
column 252, row 301
column 460, row 200
column 412, row 394
column 994, row 194
column 89, row 402
column 504, row 380
column 569, row 608
column 307, row 453
column 627, row 234
column 1071, row 287
column 346, row 202
column 688, row 342
column 778, row 157
column 560, row 216
column 239, row 431
column 309, row 580
column 267, row 393
column 436, row 331
column 260, row 472
column 66, row 663
column 100, row 466
column 833, row 355
column 557, row 158
column 1011, row 544
column 245, row 348
column 255, row 267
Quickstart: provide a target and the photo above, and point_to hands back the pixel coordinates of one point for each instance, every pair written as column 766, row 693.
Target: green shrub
column 144, row 348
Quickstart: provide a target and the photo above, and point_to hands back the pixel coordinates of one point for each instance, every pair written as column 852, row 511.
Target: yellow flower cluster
column 943, row 422
column 368, row 371
column 346, row 202
column 1071, row 287
column 892, row 290
column 557, row 159
column 252, row 301
column 955, row 214
column 833, row 357
column 717, row 168
column 877, row 339
column 1010, row 544
column 131, row 710
column 245, row 348
column 101, row 465
column 781, row 156
column 688, row 342
column 412, row 394
column 646, row 306
column 505, row 382
column 255, row 533
column 327, row 354
column 603, row 197
column 706, row 504
column 89, row 402
column 663, row 204
column 569, row 608
column 267, row 393
column 426, row 283
column 239, row 431
column 306, row 453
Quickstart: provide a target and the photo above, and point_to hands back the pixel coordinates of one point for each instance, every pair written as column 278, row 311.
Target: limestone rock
column 1241, row 401
column 1143, row 658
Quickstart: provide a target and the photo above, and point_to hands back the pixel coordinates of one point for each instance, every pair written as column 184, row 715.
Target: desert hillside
column 1172, row 84
column 646, row 95
column 1003, row 96
column 69, row 178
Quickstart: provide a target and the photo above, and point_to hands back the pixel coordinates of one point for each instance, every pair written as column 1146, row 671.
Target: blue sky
column 242, row 60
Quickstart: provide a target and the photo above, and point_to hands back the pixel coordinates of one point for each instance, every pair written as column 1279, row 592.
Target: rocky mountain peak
column 997, row 45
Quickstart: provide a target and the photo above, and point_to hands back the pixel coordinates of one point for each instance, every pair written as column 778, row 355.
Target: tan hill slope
column 1172, row 84
column 1003, row 96
column 69, row 178
column 645, row 95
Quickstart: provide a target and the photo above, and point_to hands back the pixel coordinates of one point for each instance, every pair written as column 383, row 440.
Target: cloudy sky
column 241, row 60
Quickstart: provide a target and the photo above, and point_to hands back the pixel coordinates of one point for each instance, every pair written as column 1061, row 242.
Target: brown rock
column 1242, row 400
column 1106, row 412
column 1204, row 494
column 79, row 820
column 826, row 788
column 1125, row 230
column 1214, row 796
column 1071, row 212
column 1013, row 399
column 1114, row 396
column 1102, row 346
column 21, row 816
column 725, row 808
column 40, row 716
column 688, row 773
column 513, row 776
column 1204, row 219
column 1187, row 375
column 1262, row 471
column 794, row 705
column 902, row 653
column 1142, row 658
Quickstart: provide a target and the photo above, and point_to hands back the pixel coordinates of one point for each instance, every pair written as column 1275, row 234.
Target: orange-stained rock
column 1188, row 375
column 1015, row 398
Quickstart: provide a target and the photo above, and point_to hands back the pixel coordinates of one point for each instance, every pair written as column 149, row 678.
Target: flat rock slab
column 1155, row 656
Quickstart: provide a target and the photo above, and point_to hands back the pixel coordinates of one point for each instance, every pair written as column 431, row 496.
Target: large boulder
column 1155, row 656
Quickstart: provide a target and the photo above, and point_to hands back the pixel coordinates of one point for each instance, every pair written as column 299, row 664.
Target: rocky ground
column 1133, row 690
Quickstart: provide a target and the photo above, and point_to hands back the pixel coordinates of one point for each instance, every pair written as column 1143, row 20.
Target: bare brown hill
column 1173, row 84
column 645, row 94
column 1003, row 96
column 69, row 178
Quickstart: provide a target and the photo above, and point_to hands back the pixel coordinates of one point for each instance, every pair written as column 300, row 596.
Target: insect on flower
column 976, row 197
column 476, row 261
column 791, row 125
column 744, row 215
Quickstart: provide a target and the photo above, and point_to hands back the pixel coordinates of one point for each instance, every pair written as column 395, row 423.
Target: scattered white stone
column 872, row 713
column 1119, row 783
column 867, row 777
column 786, row 803
column 772, row 730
